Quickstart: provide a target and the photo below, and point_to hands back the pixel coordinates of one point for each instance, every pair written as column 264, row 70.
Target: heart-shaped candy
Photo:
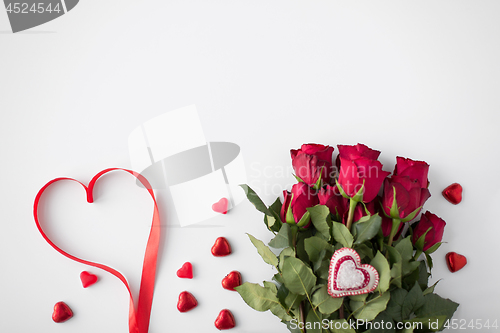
column 348, row 277
column 232, row 280
column 455, row 261
column 186, row 302
column 453, row 193
column 186, row 271
column 62, row 312
column 88, row 279
column 221, row 247
column 225, row 320
column 221, row 206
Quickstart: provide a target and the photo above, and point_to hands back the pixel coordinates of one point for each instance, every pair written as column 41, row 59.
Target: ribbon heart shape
column 138, row 317
column 348, row 277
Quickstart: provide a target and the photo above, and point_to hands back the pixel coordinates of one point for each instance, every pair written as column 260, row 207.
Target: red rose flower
column 408, row 186
column 311, row 162
column 416, row 170
column 358, row 169
column 339, row 206
column 357, row 151
column 409, row 196
column 435, row 234
column 296, row 202
column 330, row 197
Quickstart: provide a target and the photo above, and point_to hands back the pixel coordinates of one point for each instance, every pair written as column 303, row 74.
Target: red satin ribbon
column 138, row 318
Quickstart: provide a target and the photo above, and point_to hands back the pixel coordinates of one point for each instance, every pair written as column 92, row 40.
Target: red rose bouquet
column 349, row 253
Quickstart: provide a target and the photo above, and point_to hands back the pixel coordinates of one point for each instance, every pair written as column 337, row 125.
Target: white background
column 413, row 78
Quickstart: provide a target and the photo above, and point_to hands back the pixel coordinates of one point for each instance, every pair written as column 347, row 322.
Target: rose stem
column 350, row 217
column 417, row 255
column 301, row 314
column 394, row 229
column 341, row 310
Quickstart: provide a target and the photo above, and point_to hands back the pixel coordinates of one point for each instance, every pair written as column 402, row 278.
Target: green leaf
column 271, row 223
column 298, row 278
column 292, row 326
column 272, row 216
column 255, row 200
column 384, row 272
column 383, row 321
column 256, row 296
column 300, row 248
column 397, row 265
column 276, row 207
column 271, row 286
column 313, row 322
column 430, row 289
column 283, row 238
column 364, row 251
column 323, row 269
column 341, row 190
column 405, row 248
column 419, row 244
column 412, row 215
column 298, row 179
column 358, row 197
column 367, row 230
column 274, row 222
column 304, row 220
column 413, row 301
column 279, row 311
column 394, row 212
column 281, row 294
column 396, row 274
column 368, row 310
column 314, row 245
column 434, row 305
column 292, row 301
column 321, row 256
column 395, row 305
column 423, row 275
column 317, row 186
column 394, row 255
column 358, row 298
column 319, row 217
column 341, row 234
column 277, row 277
column 429, row 260
column 286, row 252
column 433, row 248
column 325, row 303
column 410, row 267
column 264, row 251
column 410, row 279
column 263, row 298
